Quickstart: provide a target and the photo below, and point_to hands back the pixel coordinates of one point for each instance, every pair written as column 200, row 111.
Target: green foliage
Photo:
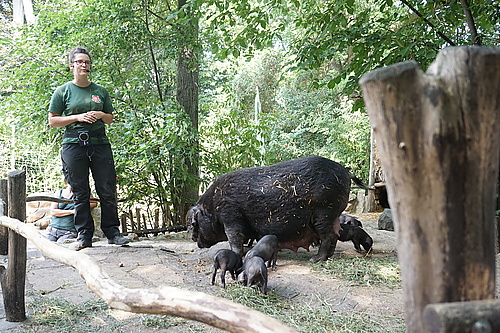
column 134, row 55
column 230, row 142
column 363, row 35
column 318, row 121
column 151, row 148
column 296, row 119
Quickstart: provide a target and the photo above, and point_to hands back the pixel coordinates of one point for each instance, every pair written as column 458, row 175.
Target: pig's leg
column 325, row 223
column 235, row 239
column 223, row 277
column 214, row 272
column 264, row 282
column 234, row 231
column 356, row 240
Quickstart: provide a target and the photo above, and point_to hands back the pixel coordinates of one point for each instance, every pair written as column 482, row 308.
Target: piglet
column 226, row 260
column 358, row 237
column 351, row 220
column 267, row 249
column 254, row 273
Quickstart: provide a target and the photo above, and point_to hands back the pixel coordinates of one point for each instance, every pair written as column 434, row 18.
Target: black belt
column 75, row 133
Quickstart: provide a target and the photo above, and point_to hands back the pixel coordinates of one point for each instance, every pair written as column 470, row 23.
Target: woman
column 85, row 108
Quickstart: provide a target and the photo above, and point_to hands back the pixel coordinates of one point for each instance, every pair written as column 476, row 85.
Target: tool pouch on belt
column 84, row 138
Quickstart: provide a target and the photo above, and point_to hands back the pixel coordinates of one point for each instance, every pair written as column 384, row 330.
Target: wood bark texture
column 164, row 300
column 4, row 232
column 13, row 278
column 438, row 135
column 32, row 198
column 458, row 317
column 187, row 96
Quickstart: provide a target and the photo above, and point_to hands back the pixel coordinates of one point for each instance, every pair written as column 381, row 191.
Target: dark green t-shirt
column 64, row 222
column 70, row 99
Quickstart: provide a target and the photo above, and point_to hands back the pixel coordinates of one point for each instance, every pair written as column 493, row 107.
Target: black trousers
column 77, row 161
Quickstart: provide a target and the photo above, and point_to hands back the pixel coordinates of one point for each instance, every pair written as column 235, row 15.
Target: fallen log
column 163, row 300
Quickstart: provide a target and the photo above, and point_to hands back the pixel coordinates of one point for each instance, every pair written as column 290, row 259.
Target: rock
column 133, row 236
column 353, row 201
column 43, row 223
column 385, row 221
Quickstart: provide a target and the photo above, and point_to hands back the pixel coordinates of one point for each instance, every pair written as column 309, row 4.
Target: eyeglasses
column 81, row 62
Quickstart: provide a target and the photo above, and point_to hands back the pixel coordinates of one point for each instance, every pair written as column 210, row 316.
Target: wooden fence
column 141, row 224
column 164, row 300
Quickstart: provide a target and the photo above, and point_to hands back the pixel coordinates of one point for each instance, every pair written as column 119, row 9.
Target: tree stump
column 438, row 135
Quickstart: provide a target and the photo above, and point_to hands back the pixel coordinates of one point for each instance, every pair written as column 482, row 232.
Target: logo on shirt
column 96, row 99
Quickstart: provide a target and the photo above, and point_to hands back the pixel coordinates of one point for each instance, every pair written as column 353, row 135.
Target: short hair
column 75, row 50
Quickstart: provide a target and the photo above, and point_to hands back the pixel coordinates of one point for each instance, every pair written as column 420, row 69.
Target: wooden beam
column 37, row 197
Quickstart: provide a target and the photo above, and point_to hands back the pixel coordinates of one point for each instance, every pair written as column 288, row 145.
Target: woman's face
column 80, row 65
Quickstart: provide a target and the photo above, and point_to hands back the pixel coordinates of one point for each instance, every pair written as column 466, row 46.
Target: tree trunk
column 23, row 9
column 438, row 135
column 187, row 97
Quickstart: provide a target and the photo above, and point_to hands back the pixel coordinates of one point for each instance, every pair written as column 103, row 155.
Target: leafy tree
column 135, row 58
column 187, row 90
column 364, row 35
column 315, row 52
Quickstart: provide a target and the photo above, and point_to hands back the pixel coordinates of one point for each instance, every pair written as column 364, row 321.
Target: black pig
column 267, row 249
column 254, row 273
column 226, row 260
column 351, row 220
column 298, row 200
column 358, row 237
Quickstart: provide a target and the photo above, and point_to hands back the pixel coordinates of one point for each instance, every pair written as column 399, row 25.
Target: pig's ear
column 192, row 218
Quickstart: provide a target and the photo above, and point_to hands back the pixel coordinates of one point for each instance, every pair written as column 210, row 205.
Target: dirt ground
column 175, row 260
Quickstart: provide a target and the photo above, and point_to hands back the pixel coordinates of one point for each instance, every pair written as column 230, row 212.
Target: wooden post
column 4, row 233
column 132, row 222
column 123, row 221
column 371, row 205
column 156, row 224
column 14, row 277
column 145, row 221
column 438, row 135
column 138, row 217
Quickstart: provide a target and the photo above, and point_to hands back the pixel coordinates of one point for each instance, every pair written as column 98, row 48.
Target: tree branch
column 429, row 23
column 476, row 40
